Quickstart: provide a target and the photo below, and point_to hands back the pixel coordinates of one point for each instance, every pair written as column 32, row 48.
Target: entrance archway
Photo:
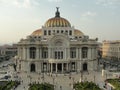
column 85, row 67
column 32, row 67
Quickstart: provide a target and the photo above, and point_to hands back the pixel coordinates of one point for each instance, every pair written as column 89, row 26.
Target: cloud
column 89, row 13
column 21, row 3
column 54, row 0
column 88, row 17
column 108, row 2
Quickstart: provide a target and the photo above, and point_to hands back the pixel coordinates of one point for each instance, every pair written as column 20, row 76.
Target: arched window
column 84, row 52
column 32, row 52
column 72, row 52
column 44, row 52
column 32, row 67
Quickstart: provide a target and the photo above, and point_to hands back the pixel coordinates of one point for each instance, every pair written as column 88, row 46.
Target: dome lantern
column 57, row 14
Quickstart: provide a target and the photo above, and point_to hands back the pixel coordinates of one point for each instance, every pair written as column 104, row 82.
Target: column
column 62, row 67
column 24, row 53
column 41, row 66
column 75, row 66
column 76, row 53
column 37, row 53
column 40, row 53
column 93, row 53
column 66, row 66
column 80, row 54
column 56, row 67
column 68, row 53
column 28, row 53
column 89, row 53
column 51, row 67
column 19, row 52
column 96, row 53
column 78, row 66
column 65, row 54
column 49, row 53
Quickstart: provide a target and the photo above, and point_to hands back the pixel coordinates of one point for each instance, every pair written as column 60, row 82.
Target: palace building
column 57, row 47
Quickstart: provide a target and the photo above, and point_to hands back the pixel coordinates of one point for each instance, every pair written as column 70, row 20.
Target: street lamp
column 81, row 76
column 42, row 77
column 94, row 78
column 53, row 80
column 29, row 78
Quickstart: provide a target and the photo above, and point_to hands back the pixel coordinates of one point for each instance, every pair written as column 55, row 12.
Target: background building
column 57, row 48
column 8, row 51
column 111, row 50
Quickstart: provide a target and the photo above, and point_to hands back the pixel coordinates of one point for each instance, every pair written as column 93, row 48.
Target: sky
column 95, row 18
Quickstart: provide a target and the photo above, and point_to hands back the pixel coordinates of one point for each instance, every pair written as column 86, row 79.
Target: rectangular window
column 49, row 32
column 70, row 32
column 84, row 52
column 45, row 32
column 61, row 31
column 61, row 54
column 58, row 55
column 57, row 31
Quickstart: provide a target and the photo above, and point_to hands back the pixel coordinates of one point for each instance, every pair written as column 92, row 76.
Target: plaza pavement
column 61, row 81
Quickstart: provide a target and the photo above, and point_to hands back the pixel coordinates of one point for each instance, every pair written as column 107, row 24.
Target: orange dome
column 57, row 21
column 78, row 33
column 37, row 32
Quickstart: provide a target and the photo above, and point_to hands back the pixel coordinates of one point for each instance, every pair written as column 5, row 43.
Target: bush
column 42, row 86
column 86, row 86
column 115, row 83
column 8, row 85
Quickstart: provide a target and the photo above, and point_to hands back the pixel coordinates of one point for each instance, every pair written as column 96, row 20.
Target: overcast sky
column 96, row 18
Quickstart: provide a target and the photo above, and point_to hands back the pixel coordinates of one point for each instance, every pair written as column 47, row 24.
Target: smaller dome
column 78, row 33
column 37, row 32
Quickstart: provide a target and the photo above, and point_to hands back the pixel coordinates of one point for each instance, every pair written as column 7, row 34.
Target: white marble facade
column 57, row 48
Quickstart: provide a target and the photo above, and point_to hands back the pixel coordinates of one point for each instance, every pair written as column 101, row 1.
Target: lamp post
column 29, row 78
column 42, row 77
column 81, row 76
column 53, row 80
column 94, row 78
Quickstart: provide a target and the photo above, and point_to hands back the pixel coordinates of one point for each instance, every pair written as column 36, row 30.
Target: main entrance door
column 54, row 67
column 59, row 67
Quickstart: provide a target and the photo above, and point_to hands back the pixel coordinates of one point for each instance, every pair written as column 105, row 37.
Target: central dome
column 57, row 21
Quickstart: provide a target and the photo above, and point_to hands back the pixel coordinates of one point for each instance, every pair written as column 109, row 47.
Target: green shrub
column 85, row 86
column 42, row 86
